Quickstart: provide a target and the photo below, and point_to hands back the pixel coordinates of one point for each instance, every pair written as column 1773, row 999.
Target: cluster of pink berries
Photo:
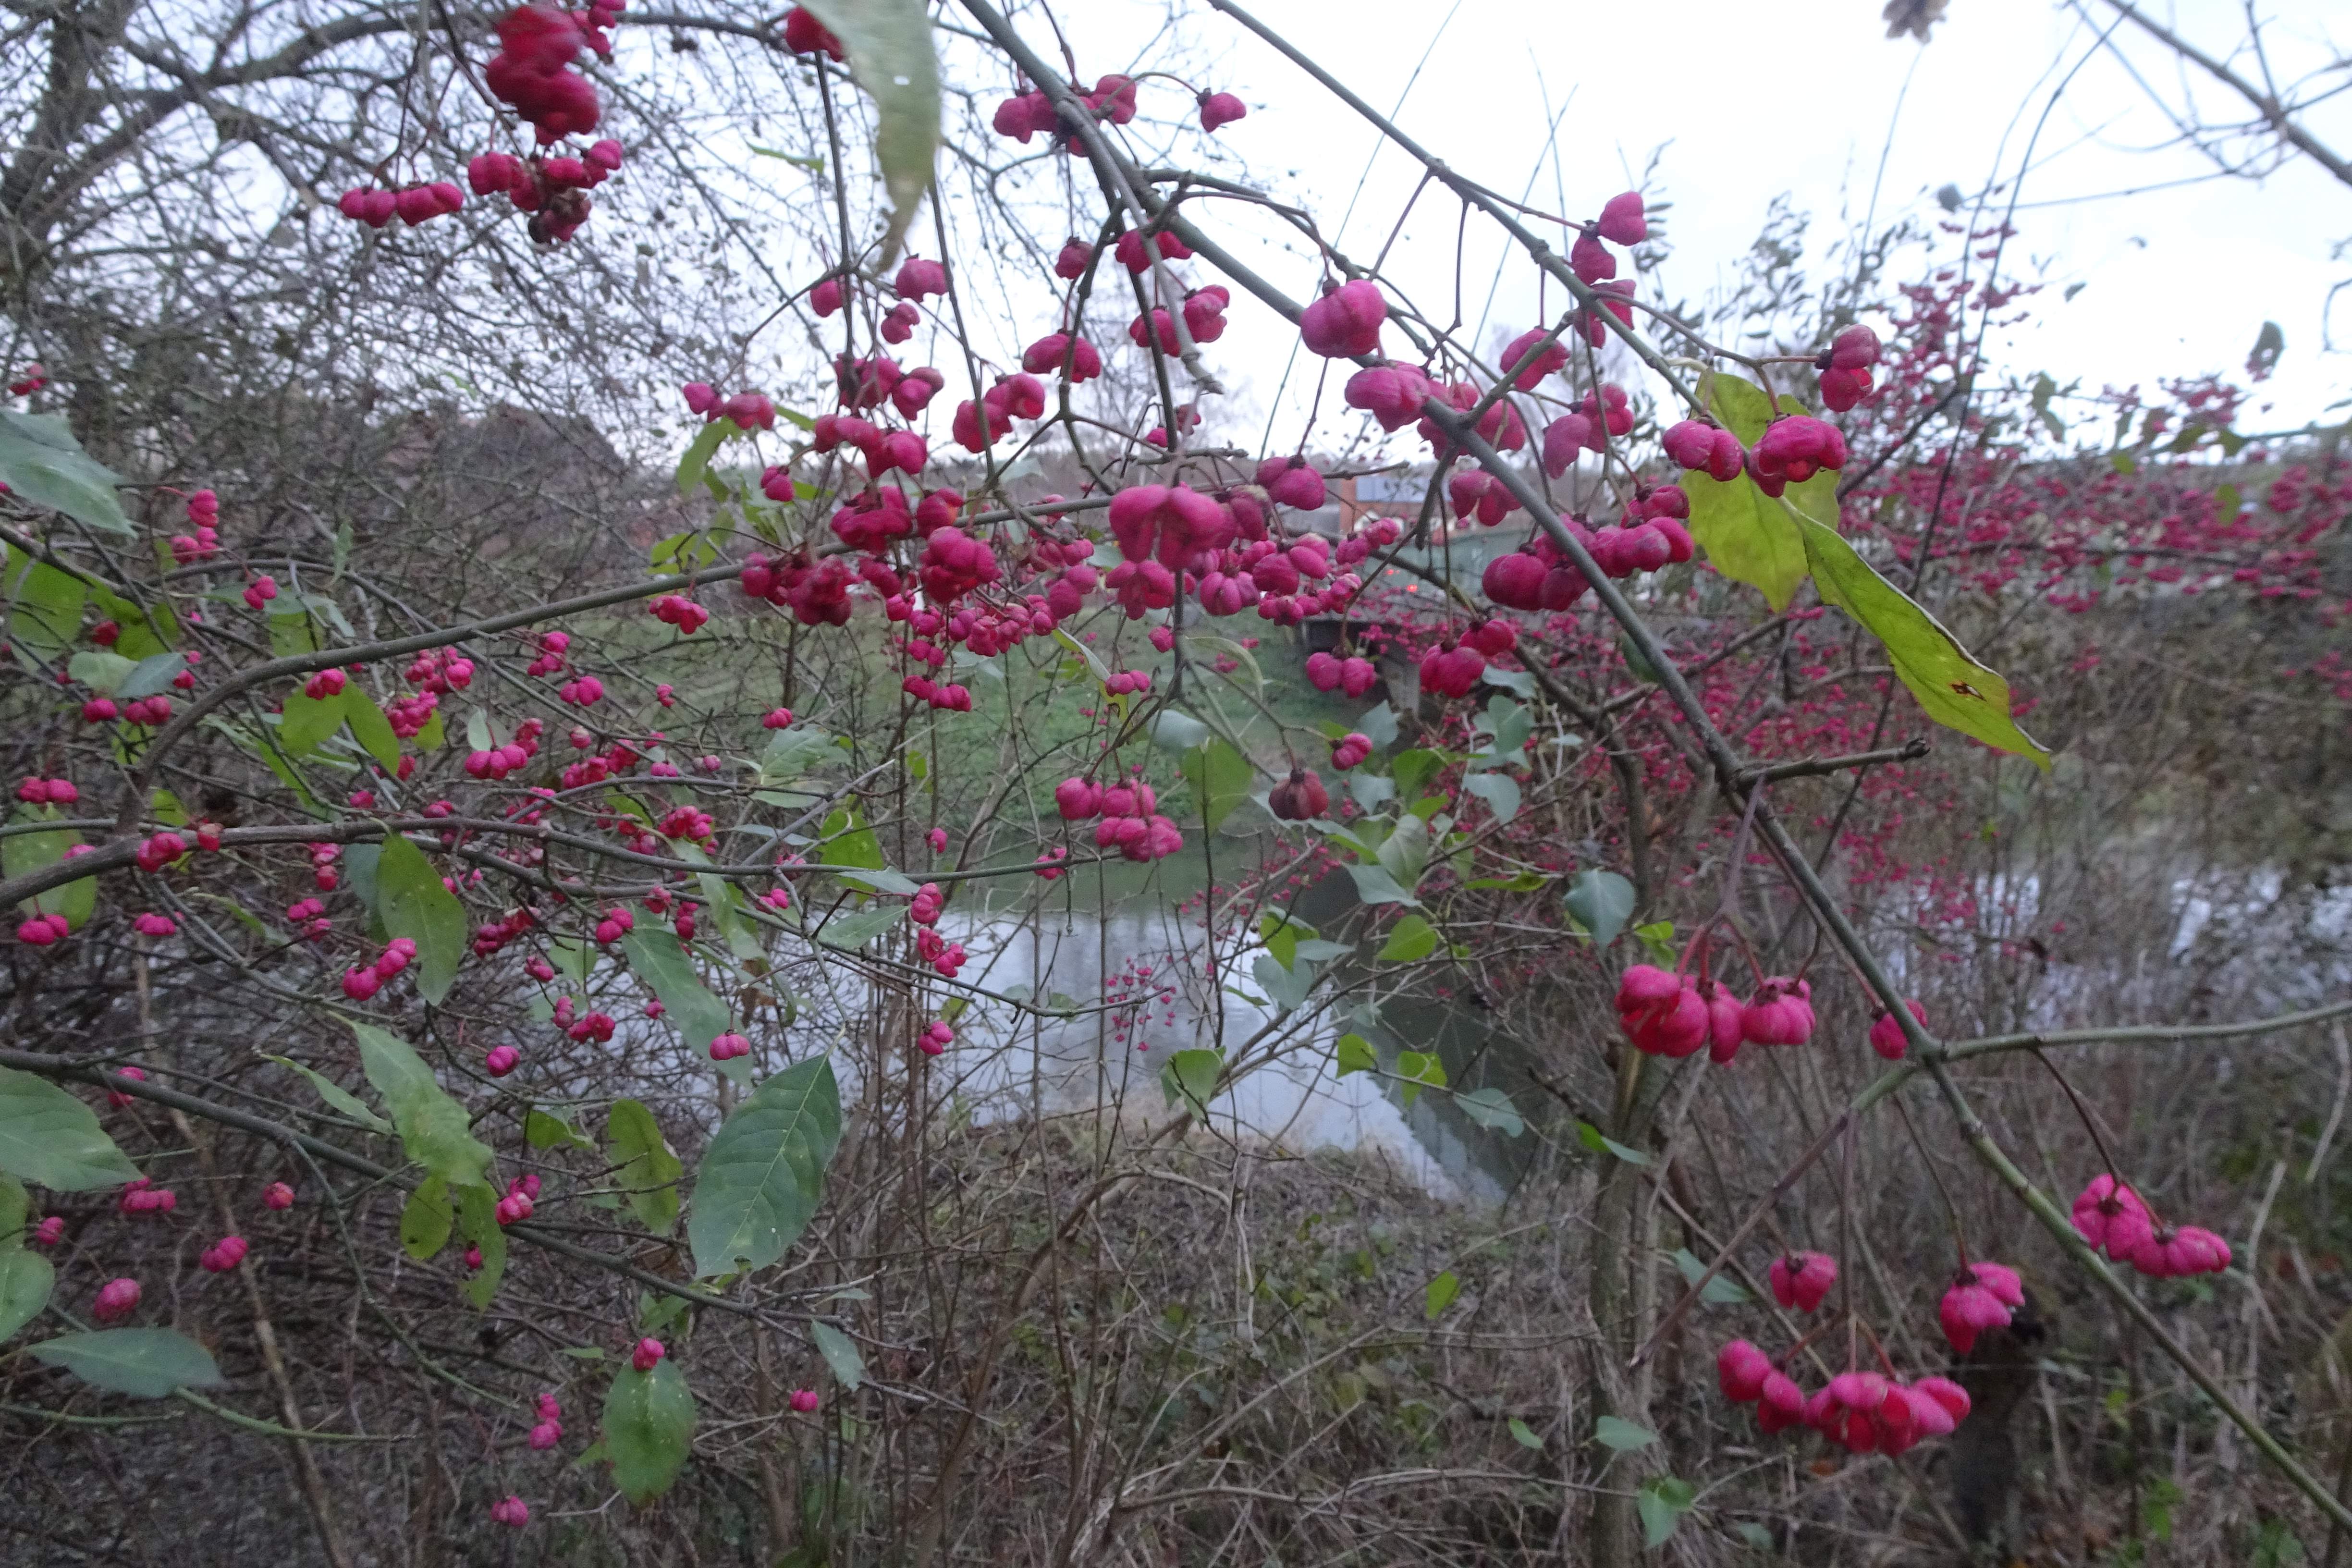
column 585, row 692
column 153, row 711
column 1353, row 675
column 310, row 915
column 143, row 1196
column 1031, row 113
column 946, row 958
column 440, row 670
column 31, row 381
column 616, row 922
column 47, row 792
column 549, row 1431
column 414, row 204
column 223, row 1255
column 533, row 67
column 521, row 1193
column 979, row 426
column 361, row 983
column 553, row 190
column 727, row 1047
column 925, row 907
column 749, row 410
column 586, row 1027
column 676, row 610
column 1131, row 823
column 1669, row 1014
column 159, row 850
column 44, row 930
column 936, row 1038
column 1203, row 311
column 149, row 923
column 204, row 516
column 817, row 591
column 510, row 1510
column 553, row 648
column 2111, row 1216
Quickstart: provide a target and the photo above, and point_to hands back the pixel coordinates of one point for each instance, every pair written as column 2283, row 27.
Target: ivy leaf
column 1601, row 902
column 52, row 1140
column 147, row 1363
column 1440, row 1295
column 416, row 905
column 657, row 958
column 889, row 47
column 1220, row 777
column 648, row 1429
column 649, row 1171
column 44, row 464
column 1956, row 691
column 764, row 1174
column 435, row 1131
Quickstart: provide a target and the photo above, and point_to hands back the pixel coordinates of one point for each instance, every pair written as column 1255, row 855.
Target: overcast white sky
column 1748, row 100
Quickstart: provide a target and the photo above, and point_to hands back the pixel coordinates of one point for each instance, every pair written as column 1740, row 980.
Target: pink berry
column 805, row 1400
column 1803, row 1281
column 647, row 1354
column 117, row 1299
column 1346, row 322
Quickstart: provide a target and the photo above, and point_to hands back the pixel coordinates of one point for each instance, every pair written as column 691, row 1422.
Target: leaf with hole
column 763, row 1175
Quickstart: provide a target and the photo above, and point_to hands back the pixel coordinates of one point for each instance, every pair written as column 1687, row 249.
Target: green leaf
column 52, row 1140
column 1658, row 938
column 1414, row 769
column 145, row 1363
column 657, row 958
column 1281, row 932
column 307, row 721
column 1601, row 902
column 478, row 1216
column 1178, row 731
column 1375, row 886
column 1592, row 1138
column 1419, row 1070
column 1220, row 778
column 1662, row 1502
column 100, row 670
column 649, row 1172
column 25, row 1280
column 1956, row 691
column 1746, row 538
column 1412, row 938
column 1355, row 1054
column 290, row 633
column 1491, row 1108
column 1440, row 1295
column 840, row 1354
column 427, row 1220
column 416, row 905
column 140, row 637
column 696, row 460
column 45, row 606
column 648, row 1429
column 852, row 932
column 846, row 841
column 24, row 852
column 572, row 956
column 1721, row 1291
column 1192, row 1078
column 150, row 675
column 369, row 728
column 889, row 47
column 44, row 464
column 434, row 1129
column 1615, row 1432
column 334, row 1094
column 1525, row 1436
column 764, row 1174
column 477, row 731
column 1378, row 725
column 896, row 883
column 545, row 1130
column 1754, row 1535
column 1499, row 790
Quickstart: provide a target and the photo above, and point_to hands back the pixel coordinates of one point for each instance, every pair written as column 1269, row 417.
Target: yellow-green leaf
column 1956, row 691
